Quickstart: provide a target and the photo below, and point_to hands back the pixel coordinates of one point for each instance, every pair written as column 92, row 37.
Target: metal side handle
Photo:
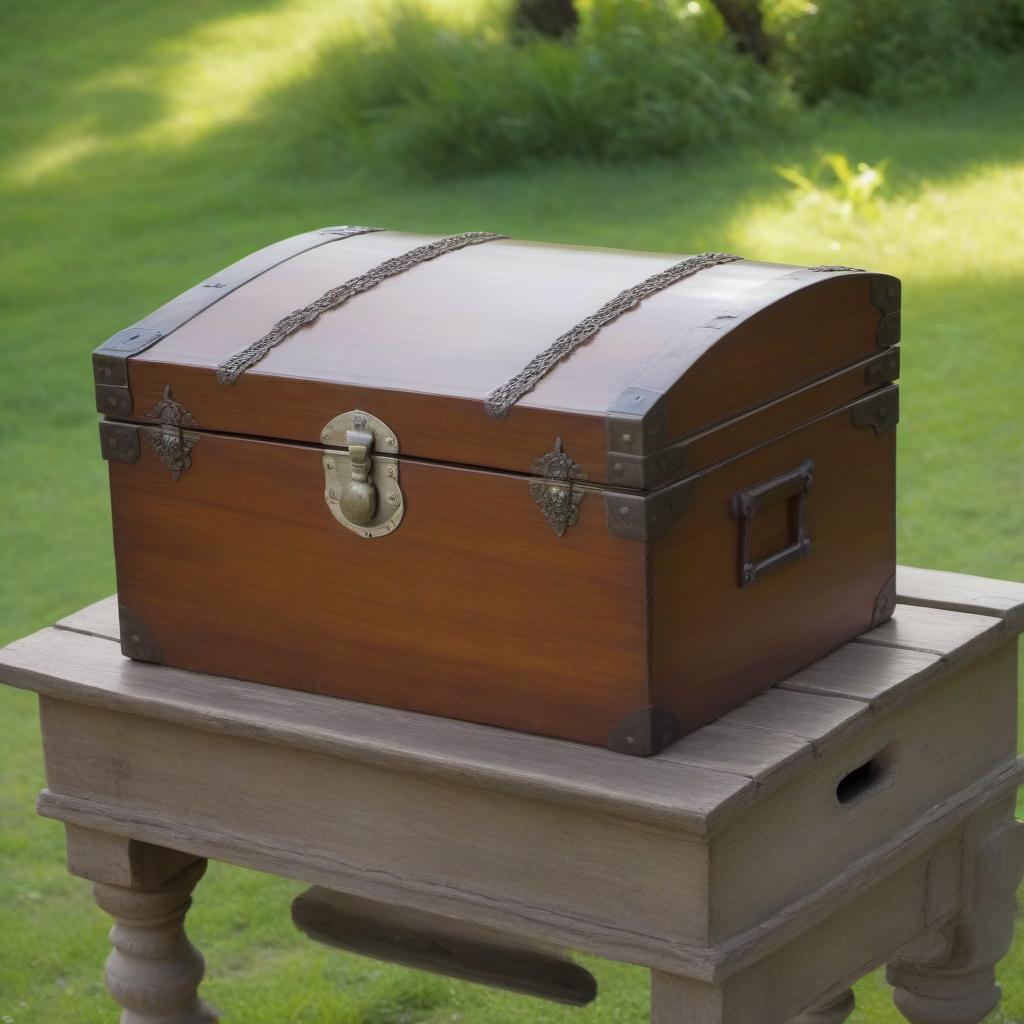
column 744, row 506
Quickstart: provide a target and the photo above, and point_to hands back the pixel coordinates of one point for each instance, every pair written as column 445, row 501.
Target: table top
column 943, row 622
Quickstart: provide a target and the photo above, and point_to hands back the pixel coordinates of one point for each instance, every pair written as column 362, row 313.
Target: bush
column 638, row 79
column 892, row 49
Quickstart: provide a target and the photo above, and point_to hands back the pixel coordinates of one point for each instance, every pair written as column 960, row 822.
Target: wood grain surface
column 472, row 608
column 714, row 643
column 423, row 350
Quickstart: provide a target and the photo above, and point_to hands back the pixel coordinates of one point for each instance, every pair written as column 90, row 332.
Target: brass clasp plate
column 362, row 489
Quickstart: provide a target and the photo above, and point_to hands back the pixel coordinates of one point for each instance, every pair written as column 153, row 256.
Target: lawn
column 144, row 146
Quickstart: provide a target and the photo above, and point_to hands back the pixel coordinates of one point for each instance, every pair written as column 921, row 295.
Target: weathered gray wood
column 818, row 902
column 830, row 1011
column 581, row 879
column 959, row 592
column 153, row 971
column 744, row 873
column 956, row 983
column 554, row 873
column 801, row 835
column 878, row 676
column 90, row 671
column 810, row 717
column 97, row 619
column 809, row 971
column 428, row 942
column 727, row 745
column 937, row 631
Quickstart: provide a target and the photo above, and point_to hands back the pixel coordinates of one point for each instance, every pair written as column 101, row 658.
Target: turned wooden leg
column 153, row 971
column 831, row 1011
column 678, row 1000
column 948, row 977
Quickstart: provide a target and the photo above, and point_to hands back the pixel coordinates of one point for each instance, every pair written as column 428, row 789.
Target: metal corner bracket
column 137, row 642
column 885, row 603
column 644, row 517
column 110, row 368
column 883, row 369
column 881, row 412
column 886, row 296
column 637, row 423
column 645, row 732
column 119, row 442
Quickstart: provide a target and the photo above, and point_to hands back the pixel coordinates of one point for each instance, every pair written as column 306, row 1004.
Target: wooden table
column 860, row 813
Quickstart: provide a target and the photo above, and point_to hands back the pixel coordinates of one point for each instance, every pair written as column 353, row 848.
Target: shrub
column 892, row 49
column 638, row 79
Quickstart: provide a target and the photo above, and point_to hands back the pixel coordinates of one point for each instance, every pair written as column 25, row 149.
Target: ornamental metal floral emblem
column 170, row 442
column 555, row 495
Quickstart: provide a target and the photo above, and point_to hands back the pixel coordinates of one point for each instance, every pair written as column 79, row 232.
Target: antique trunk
column 599, row 495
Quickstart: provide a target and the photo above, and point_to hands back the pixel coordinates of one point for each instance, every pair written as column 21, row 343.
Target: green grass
column 146, row 145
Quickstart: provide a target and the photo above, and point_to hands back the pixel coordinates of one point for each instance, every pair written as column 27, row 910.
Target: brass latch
column 362, row 489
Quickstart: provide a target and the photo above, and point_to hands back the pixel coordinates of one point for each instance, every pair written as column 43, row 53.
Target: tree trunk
column 745, row 23
column 546, row 17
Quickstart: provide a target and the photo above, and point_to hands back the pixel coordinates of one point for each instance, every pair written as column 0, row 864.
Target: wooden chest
column 600, row 495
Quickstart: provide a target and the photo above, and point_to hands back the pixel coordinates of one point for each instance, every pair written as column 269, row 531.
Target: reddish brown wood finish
column 714, row 643
column 423, row 350
column 748, row 431
column 472, row 609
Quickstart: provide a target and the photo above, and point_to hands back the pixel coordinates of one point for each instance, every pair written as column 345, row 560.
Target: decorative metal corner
column 886, row 296
column 881, row 413
column 113, row 400
column 637, row 423
column 885, row 603
column 889, row 330
column 645, row 732
column 119, row 442
column 171, row 442
column 883, row 369
column 110, row 360
column 137, row 642
column 644, row 517
column 555, row 495
column 647, row 472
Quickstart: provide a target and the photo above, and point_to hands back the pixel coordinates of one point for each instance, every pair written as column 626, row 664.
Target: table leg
column 948, row 977
column 678, row 1000
column 153, row 972
column 831, row 1011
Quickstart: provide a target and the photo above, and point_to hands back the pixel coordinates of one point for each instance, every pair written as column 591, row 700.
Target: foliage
column 890, row 51
column 636, row 80
column 153, row 144
column 834, row 181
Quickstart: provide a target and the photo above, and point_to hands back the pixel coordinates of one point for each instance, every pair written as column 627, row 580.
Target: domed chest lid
column 481, row 350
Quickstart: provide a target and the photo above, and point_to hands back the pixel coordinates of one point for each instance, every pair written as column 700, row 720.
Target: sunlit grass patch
column 151, row 144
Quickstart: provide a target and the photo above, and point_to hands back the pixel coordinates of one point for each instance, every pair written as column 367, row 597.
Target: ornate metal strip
column 110, row 360
column 829, row 268
column 501, row 400
column 234, row 366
